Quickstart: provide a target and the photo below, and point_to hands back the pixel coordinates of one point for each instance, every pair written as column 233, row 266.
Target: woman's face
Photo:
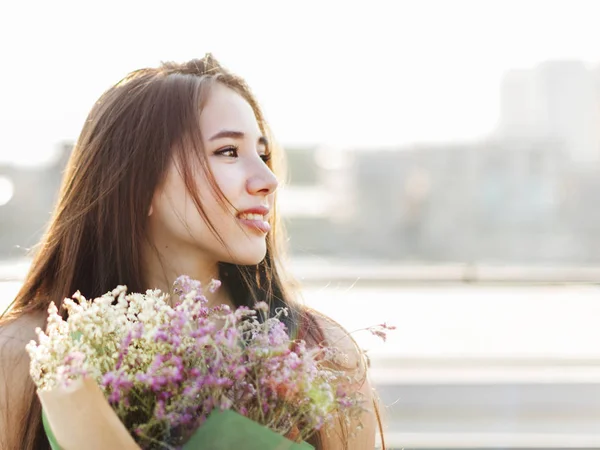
column 236, row 152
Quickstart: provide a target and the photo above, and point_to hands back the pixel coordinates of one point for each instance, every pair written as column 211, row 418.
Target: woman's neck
column 162, row 269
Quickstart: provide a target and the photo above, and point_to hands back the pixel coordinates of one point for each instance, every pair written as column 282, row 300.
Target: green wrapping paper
column 49, row 433
column 229, row 430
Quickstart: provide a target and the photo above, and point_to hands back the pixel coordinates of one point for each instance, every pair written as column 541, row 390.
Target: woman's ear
column 150, row 211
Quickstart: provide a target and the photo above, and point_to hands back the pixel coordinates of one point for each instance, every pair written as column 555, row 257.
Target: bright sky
column 368, row 73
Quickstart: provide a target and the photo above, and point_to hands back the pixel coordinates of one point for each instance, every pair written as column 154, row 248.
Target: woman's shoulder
column 334, row 335
column 355, row 364
column 16, row 386
column 16, row 333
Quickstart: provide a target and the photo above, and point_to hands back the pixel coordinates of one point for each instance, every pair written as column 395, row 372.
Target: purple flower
column 159, row 410
column 213, row 286
column 118, row 384
column 238, row 372
column 379, row 334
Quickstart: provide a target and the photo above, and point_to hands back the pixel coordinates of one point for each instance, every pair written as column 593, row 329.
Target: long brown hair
column 94, row 240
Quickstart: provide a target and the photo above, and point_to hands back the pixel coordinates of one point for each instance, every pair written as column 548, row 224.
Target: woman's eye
column 232, row 152
column 229, row 151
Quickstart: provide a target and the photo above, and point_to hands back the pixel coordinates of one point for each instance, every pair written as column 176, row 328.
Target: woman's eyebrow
column 236, row 135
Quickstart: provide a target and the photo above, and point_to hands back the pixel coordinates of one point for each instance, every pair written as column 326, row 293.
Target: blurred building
column 557, row 100
column 525, row 195
column 495, row 201
column 28, row 197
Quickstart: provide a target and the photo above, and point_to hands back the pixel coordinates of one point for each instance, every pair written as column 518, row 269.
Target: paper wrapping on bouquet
column 80, row 417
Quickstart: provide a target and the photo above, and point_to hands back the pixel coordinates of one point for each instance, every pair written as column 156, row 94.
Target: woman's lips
column 259, row 225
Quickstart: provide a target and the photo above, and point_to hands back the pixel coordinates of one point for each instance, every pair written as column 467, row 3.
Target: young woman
column 174, row 173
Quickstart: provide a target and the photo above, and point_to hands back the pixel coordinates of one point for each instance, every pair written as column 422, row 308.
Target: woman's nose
column 262, row 180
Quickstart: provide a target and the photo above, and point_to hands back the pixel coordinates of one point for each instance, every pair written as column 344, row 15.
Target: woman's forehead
column 226, row 109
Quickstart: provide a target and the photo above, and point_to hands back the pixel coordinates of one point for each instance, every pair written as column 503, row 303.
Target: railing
column 398, row 440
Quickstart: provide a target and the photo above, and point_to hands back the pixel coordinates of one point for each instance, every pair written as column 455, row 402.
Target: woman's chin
column 249, row 258
column 252, row 261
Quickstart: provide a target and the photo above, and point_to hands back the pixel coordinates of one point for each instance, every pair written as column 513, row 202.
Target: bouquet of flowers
column 131, row 371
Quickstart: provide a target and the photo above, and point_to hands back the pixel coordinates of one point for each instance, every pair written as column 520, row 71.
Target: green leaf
column 76, row 335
